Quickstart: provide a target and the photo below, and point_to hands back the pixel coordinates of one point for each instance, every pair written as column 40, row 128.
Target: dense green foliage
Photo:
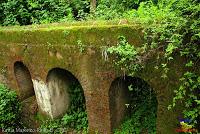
column 9, row 108
column 143, row 109
column 19, row 12
column 76, row 117
column 173, row 28
column 111, row 9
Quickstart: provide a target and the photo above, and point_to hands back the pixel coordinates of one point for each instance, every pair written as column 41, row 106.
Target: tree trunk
column 93, row 4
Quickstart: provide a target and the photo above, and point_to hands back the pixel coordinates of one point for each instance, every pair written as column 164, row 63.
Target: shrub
column 9, row 108
column 19, row 12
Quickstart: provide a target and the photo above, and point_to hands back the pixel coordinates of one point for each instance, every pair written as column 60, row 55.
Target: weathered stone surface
column 58, row 83
column 3, row 79
column 118, row 97
column 43, row 97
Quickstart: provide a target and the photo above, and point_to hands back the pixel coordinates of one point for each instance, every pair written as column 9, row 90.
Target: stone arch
column 58, row 83
column 24, row 81
column 120, row 97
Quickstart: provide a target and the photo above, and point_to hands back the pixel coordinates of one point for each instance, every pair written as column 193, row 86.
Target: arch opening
column 133, row 106
column 66, row 96
column 24, row 80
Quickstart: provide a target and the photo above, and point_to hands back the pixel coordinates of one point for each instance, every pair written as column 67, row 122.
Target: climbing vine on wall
column 173, row 28
column 126, row 56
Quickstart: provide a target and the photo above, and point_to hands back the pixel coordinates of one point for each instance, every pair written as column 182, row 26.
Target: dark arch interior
column 66, row 91
column 24, row 80
column 132, row 100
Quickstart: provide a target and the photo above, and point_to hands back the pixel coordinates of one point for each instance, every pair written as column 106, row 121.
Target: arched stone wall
column 24, row 80
column 58, row 82
column 53, row 97
column 120, row 97
column 94, row 74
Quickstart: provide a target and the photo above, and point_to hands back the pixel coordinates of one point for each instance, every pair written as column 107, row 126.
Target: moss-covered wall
column 79, row 49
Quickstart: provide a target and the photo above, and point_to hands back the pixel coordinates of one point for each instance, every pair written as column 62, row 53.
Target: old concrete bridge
column 42, row 60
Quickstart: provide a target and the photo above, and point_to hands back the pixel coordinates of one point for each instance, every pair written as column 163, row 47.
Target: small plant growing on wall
column 81, row 46
column 126, row 56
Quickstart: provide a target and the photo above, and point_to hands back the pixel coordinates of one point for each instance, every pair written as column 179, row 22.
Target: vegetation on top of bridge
column 73, row 24
column 89, row 33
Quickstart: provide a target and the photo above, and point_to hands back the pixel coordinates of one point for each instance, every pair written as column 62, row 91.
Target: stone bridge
column 40, row 61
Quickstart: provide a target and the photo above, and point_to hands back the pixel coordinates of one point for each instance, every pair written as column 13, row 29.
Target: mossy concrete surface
column 80, row 49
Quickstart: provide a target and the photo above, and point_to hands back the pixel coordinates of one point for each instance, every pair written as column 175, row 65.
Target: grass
column 68, row 25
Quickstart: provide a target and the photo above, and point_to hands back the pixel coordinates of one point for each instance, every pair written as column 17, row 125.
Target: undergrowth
column 142, row 110
column 75, row 120
column 10, row 109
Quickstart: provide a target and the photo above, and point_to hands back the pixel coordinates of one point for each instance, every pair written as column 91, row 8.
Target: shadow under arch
column 61, row 85
column 126, row 96
column 24, row 80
